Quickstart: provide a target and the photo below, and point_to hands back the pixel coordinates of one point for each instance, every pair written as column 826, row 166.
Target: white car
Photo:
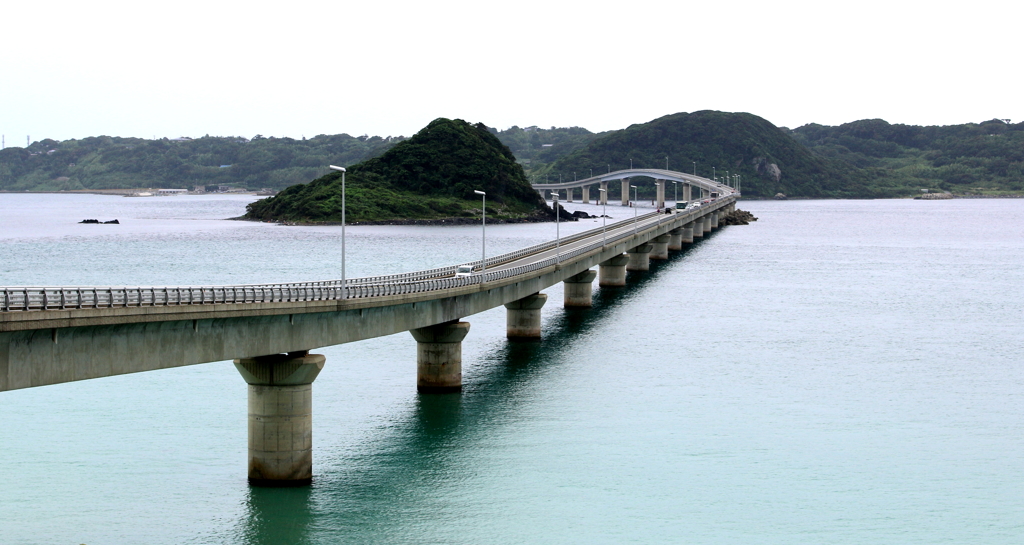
column 463, row 270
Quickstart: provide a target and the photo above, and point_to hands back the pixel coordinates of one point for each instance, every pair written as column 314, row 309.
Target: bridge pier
column 568, row 194
column 698, row 228
column 281, row 417
column 625, row 192
column 659, row 247
column 613, row 271
column 522, row 317
column 439, row 357
column 686, row 192
column 579, row 290
column 714, row 220
column 706, row 223
column 661, row 193
column 639, row 258
column 585, row 199
column 604, row 194
column 687, row 234
column 675, row 239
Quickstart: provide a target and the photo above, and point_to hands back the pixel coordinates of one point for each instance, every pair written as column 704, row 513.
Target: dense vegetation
column 981, row 158
column 768, row 159
column 106, row 162
column 431, row 175
column 868, row 158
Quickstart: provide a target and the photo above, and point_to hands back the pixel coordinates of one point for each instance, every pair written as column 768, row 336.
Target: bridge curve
column 659, row 175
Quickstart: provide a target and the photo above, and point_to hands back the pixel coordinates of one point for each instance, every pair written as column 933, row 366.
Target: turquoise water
column 837, row 372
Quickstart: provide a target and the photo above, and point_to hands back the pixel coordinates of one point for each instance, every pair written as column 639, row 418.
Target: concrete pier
column 568, row 195
column 714, row 220
column 613, row 271
column 698, row 228
column 686, row 192
column 706, row 223
column 639, row 258
column 659, row 247
column 660, row 184
column 604, row 194
column 439, row 357
column 625, row 192
column 522, row 317
column 281, row 417
column 579, row 290
column 675, row 239
column 586, row 194
column 688, row 233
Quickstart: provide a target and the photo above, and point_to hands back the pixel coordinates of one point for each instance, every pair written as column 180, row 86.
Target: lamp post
column 634, row 209
column 558, row 253
column 342, row 170
column 483, row 231
column 694, row 167
column 666, row 162
column 675, row 187
column 604, row 215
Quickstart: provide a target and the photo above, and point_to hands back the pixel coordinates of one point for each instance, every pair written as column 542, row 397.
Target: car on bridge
column 463, row 271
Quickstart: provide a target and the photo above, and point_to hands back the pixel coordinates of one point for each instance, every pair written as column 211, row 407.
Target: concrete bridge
column 693, row 187
column 56, row 335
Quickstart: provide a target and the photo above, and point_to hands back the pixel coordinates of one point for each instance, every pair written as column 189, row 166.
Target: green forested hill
column 768, row 159
column 105, row 162
column 981, row 158
column 429, row 176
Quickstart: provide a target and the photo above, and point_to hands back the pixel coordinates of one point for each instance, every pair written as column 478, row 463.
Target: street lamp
column 634, row 209
column 554, row 202
column 675, row 186
column 604, row 214
column 483, row 230
column 666, row 162
column 342, row 171
column 694, row 167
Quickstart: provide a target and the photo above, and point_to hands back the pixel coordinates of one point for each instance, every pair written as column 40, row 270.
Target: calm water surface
column 837, row 372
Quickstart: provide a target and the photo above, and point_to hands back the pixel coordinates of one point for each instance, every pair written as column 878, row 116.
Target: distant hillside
column 981, row 158
column 429, row 176
column 105, row 162
column 767, row 158
column 535, row 148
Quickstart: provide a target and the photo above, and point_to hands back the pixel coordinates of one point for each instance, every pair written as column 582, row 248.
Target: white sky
column 184, row 68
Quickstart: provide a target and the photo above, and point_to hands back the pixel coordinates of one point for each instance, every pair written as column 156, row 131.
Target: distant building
column 171, row 191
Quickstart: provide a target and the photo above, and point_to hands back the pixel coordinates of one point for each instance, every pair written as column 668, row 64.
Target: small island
column 429, row 178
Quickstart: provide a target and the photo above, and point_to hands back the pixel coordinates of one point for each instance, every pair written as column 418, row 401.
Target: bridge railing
column 63, row 298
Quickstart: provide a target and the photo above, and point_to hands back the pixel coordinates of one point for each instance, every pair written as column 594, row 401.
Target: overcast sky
column 77, row 69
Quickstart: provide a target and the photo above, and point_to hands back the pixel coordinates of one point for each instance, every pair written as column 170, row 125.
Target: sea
column 836, row 372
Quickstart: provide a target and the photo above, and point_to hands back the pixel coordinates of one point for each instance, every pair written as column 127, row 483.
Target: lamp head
column 339, row 169
column 478, row 192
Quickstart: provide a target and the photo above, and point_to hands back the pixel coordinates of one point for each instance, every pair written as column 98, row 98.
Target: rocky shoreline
column 737, row 217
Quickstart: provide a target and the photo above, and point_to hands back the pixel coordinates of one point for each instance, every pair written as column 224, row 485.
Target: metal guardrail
column 68, row 298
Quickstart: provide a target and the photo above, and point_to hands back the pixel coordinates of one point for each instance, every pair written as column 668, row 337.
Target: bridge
column 63, row 334
column 704, row 187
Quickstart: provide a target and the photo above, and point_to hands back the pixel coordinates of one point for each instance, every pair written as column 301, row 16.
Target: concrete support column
column 579, row 290
column 675, row 240
column 543, row 195
column 714, row 220
column 639, row 258
column 568, row 195
column 698, row 228
column 439, row 357
column 586, row 194
column 281, row 417
column 659, row 247
column 625, row 192
column 686, row 192
column 706, row 223
column 688, row 233
column 613, row 271
column 522, row 317
column 660, row 193
column 604, row 194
